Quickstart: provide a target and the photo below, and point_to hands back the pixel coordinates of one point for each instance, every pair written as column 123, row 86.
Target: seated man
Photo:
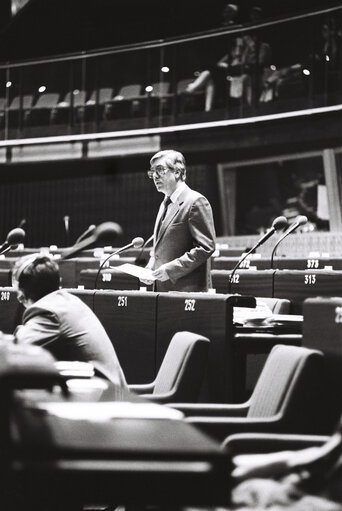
column 59, row 321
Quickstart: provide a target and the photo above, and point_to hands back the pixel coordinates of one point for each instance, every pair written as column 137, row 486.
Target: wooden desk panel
column 7, row 262
column 130, row 318
column 208, row 315
column 322, row 328
column 298, row 285
column 228, row 263
column 109, row 279
column 246, row 282
column 11, row 310
column 86, row 295
column 5, row 278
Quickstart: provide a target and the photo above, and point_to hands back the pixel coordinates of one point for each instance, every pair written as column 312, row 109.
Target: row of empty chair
column 105, row 102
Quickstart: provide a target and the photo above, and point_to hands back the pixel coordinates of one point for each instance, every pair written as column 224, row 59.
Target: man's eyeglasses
column 157, row 171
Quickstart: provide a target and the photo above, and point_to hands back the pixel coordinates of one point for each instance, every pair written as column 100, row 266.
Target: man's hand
column 146, row 282
column 160, row 274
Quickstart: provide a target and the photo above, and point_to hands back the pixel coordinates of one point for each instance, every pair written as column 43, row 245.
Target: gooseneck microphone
column 14, row 237
column 104, row 233
column 136, row 243
column 278, row 223
column 300, row 220
column 138, row 258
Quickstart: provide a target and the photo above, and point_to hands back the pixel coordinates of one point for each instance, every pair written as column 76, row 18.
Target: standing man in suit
column 184, row 233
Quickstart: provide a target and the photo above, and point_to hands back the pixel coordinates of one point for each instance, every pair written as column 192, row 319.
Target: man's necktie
column 167, row 201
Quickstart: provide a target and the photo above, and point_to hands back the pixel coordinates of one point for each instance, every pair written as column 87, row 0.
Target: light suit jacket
column 184, row 243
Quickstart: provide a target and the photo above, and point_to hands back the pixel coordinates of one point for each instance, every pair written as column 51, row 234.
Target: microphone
column 300, row 220
column 14, row 237
column 138, row 260
column 278, row 223
column 136, row 243
column 104, row 233
column 22, row 223
column 86, row 233
column 66, row 219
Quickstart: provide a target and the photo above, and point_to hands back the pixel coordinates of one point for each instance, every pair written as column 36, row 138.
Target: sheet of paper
column 136, row 271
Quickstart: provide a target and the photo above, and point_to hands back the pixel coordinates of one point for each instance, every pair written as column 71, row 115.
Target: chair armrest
column 212, row 410
column 246, row 443
column 221, row 427
column 146, row 388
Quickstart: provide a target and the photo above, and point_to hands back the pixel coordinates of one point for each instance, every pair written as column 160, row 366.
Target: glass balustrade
column 256, row 70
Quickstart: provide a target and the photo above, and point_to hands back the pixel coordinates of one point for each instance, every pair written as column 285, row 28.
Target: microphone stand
column 278, row 223
column 118, row 251
column 301, row 220
column 137, row 259
column 260, row 242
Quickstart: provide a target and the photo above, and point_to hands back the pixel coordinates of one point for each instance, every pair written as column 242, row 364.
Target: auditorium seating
column 95, row 106
column 66, row 110
column 17, row 109
column 127, row 103
column 42, row 111
column 159, row 99
column 181, row 373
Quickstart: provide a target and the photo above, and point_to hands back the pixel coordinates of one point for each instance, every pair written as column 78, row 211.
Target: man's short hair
column 36, row 275
column 174, row 160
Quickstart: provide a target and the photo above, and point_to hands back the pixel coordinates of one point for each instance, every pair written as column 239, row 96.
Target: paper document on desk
column 136, row 271
column 258, row 314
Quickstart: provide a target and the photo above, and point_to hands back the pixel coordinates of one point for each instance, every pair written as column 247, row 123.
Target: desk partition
column 322, row 330
column 5, row 278
column 130, row 319
column 279, row 263
column 109, row 278
column 86, row 295
column 250, row 282
column 298, row 285
column 10, row 310
column 208, row 315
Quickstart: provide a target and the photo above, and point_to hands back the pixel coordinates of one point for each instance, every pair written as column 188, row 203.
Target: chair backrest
column 130, row 91
column 290, row 375
column 104, row 94
column 277, row 305
column 27, row 102
column 160, row 88
column 183, row 367
column 78, row 99
column 48, row 100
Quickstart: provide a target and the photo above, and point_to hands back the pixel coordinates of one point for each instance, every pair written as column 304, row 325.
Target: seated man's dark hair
column 36, row 276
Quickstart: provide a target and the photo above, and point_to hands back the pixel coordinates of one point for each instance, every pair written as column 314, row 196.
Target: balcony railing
column 275, row 66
